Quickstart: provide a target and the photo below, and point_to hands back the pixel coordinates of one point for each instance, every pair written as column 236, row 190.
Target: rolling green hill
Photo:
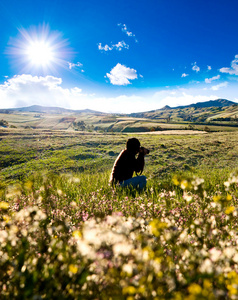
column 220, row 111
column 217, row 115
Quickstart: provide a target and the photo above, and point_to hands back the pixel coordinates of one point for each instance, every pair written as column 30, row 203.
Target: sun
column 39, row 49
column 40, row 53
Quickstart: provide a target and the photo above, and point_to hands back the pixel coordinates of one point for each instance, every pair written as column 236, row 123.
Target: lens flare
column 39, row 49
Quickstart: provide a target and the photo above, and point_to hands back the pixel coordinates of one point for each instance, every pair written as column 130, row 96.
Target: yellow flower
column 28, row 185
column 73, row 269
column 228, row 197
column 156, row 226
column 184, row 184
column 217, row 198
column 4, row 205
column 160, row 274
column 129, row 290
column 207, row 284
column 194, row 289
column 6, row 218
column 175, row 180
column 77, row 234
column 229, row 210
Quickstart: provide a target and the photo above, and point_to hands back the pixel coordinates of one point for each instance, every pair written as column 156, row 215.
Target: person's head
column 133, row 145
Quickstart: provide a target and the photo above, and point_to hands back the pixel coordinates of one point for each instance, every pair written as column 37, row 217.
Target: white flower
column 235, row 258
column 187, row 197
column 206, row 266
column 86, row 250
column 122, row 248
column 128, row 268
column 229, row 252
column 215, row 254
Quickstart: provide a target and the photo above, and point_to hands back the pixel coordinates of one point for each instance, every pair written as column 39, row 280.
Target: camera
column 144, row 150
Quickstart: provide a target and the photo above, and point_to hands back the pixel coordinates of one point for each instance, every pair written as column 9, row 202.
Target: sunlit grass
column 76, row 237
column 65, row 233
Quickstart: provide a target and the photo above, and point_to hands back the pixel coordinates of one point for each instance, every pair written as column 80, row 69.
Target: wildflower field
column 65, row 233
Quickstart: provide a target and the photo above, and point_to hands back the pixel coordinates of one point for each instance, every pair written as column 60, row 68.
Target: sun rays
column 39, row 49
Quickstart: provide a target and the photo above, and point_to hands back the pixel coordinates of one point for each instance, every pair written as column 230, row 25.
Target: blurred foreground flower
column 4, row 205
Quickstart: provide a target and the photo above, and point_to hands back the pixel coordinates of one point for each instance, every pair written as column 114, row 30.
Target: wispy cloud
column 219, row 86
column 209, row 68
column 121, row 75
column 119, row 46
column 184, row 75
column 233, row 70
column 195, row 67
column 181, row 96
column 73, row 65
column 209, row 80
column 104, row 48
column 127, row 32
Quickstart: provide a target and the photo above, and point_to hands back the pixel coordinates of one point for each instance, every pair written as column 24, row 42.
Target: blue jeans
column 136, row 182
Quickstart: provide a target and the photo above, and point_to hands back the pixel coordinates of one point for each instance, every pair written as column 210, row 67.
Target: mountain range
column 48, row 110
column 59, row 110
column 220, row 112
column 219, row 103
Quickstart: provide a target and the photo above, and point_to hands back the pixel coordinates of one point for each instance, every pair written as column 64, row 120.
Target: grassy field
column 65, row 233
column 120, row 123
column 24, row 152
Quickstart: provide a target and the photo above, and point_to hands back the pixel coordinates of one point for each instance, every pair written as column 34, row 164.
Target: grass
column 23, row 153
column 65, row 233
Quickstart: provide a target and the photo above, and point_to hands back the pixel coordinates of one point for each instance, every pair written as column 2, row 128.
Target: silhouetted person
column 127, row 163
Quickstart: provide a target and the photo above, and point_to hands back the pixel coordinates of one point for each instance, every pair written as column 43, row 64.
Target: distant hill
column 60, row 110
column 211, row 103
column 220, row 114
column 219, row 103
column 220, row 111
column 48, row 110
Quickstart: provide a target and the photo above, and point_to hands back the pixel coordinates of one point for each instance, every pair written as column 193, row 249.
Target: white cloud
column 180, row 97
column 219, row 86
column 26, row 90
column 120, row 75
column 119, row 46
column 72, row 65
column 209, row 80
column 209, row 68
column 233, row 70
column 104, row 48
column 184, row 75
column 124, row 29
column 195, row 67
column 127, row 32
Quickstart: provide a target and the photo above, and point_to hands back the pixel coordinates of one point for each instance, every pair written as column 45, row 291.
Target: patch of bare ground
column 174, row 132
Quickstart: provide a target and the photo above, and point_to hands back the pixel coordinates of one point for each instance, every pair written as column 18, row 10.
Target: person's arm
column 139, row 163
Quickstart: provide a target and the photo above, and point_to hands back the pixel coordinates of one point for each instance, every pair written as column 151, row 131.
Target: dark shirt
column 125, row 165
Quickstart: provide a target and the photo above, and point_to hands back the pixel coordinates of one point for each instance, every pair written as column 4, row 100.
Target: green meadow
column 65, row 233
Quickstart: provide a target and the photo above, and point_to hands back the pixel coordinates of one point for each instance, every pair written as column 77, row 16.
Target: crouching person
column 127, row 163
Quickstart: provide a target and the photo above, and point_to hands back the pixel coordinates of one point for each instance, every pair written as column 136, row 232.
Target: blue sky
column 117, row 56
